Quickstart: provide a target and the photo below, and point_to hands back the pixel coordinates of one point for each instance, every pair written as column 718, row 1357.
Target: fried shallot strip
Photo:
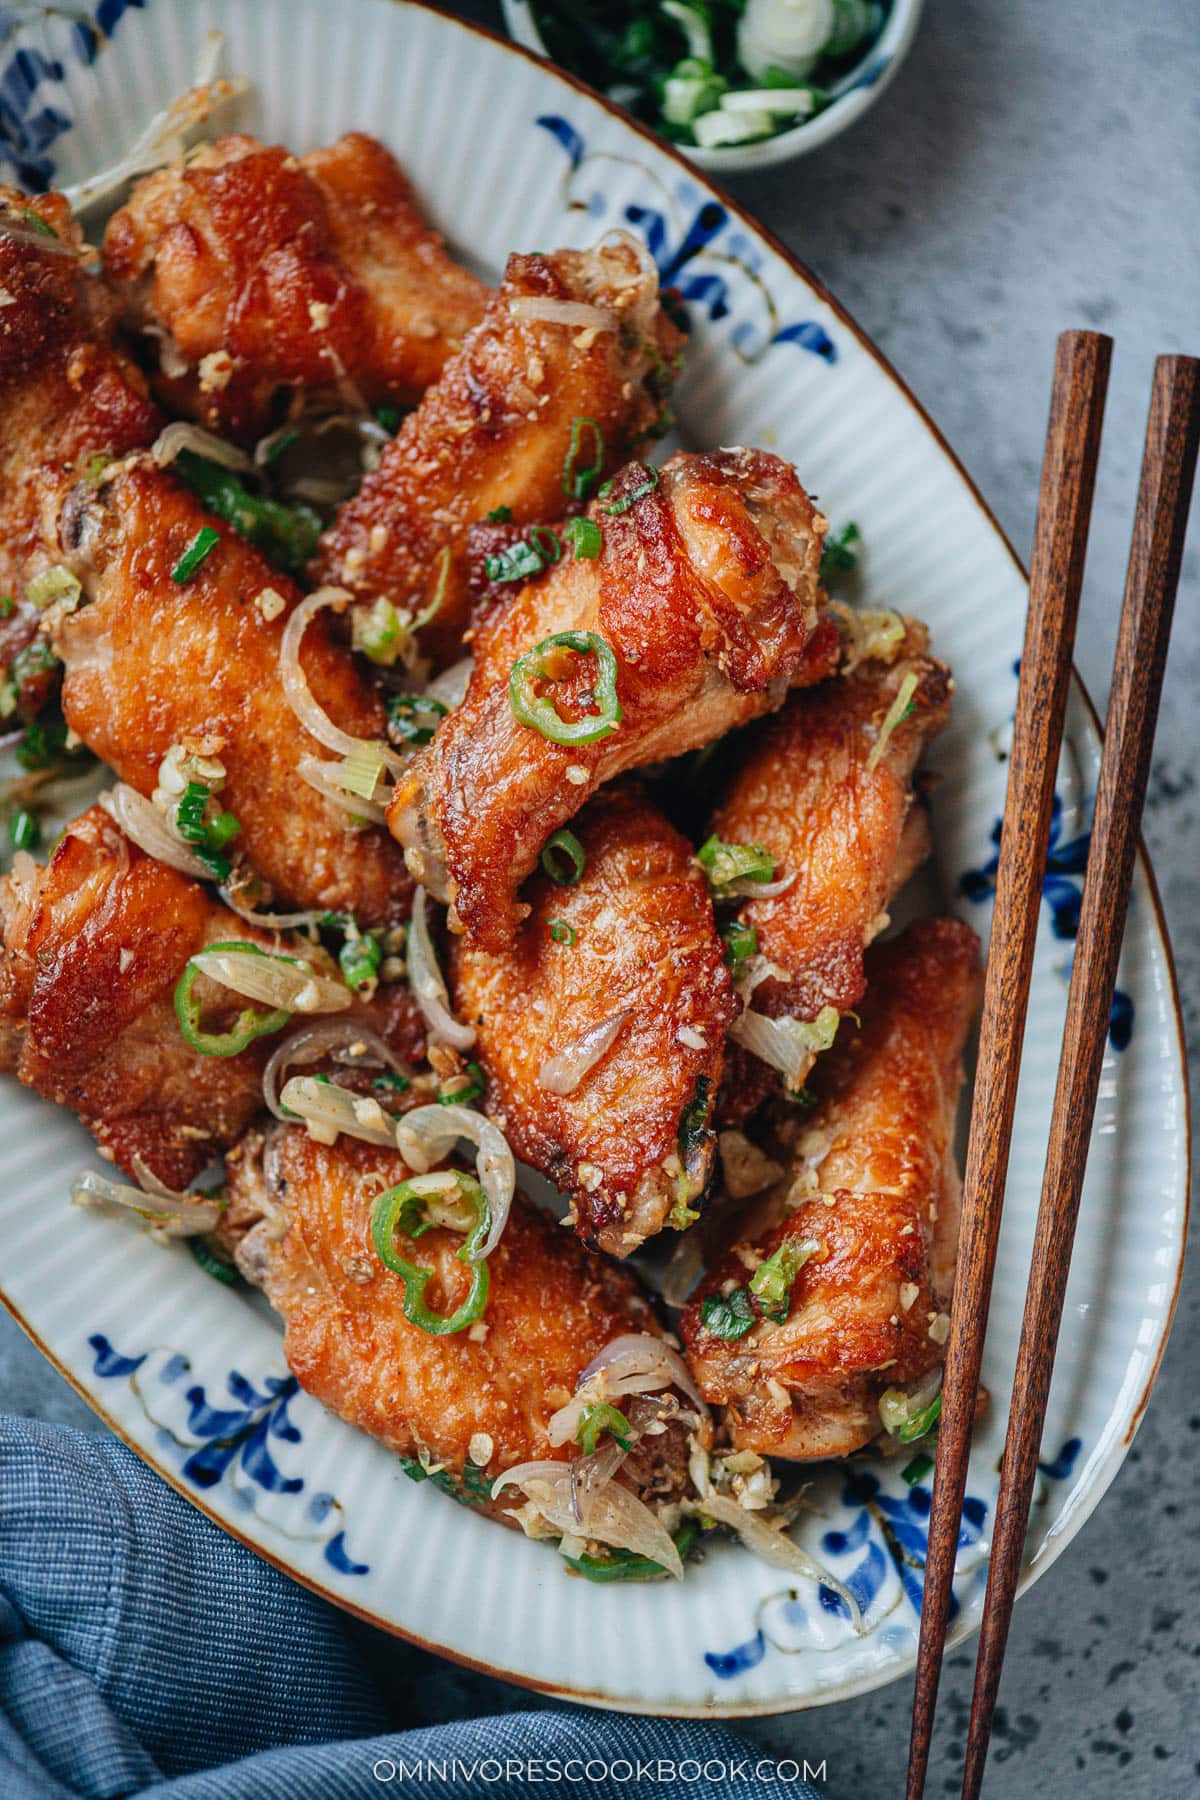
column 705, row 596
column 868, row 1208
column 277, row 283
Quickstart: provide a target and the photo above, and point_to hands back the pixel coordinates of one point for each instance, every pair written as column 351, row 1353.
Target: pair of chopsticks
column 1160, row 522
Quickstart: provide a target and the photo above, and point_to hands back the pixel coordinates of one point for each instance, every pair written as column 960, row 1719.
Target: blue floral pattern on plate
column 878, row 1552
column 696, row 247
column 31, row 120
column 1062, row 889
column 238, row 1445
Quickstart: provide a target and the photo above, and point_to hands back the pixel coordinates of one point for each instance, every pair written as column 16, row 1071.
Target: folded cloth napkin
column 143, row 1650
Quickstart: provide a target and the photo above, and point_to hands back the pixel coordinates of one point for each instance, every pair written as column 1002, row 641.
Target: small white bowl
column 858, row 89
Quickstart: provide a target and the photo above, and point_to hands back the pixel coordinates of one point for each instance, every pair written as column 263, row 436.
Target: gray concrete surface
column 1034, row 166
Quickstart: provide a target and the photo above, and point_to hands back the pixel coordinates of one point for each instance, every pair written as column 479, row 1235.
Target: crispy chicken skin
column 150, row 662
column 551, row 1307
column 706, row 592
column 65, row 391
column 285, row 281
column 847, row 833
column 873, row 1183
column 645, row 945
column 496, row 429
column 94, row 943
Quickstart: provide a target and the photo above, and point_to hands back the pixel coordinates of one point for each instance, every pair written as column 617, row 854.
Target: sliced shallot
column 174, row 1215
column 563, row 1072
column 274, row 981
column 328, row 1110
column 428, row 983
column 299, row 694
column 611, row 1514
column 312, row 1042
column 141, row 820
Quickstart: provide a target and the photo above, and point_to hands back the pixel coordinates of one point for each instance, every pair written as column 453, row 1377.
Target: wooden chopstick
column 1160, row 524
column 1056, row 576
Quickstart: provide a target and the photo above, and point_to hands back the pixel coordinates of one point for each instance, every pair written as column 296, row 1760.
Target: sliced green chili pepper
column 403, row 1208
column 564, row 843
column 627, row 1565
column 250, row 1024
column 538, row 711
column 562, row 933
column 600, row 1418
column 922, row 1422
column 578, row 482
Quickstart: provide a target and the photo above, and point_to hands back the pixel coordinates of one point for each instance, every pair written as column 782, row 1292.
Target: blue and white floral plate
column 507, row 153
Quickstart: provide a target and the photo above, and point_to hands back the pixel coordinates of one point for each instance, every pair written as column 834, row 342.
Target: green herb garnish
column 578, row 482
column 564, row 858
column 729, row 1316
column 562, row 933
column 726, row 863
column 741, row 944
column 202, row 545
column 584, row 537
column 598, row 1419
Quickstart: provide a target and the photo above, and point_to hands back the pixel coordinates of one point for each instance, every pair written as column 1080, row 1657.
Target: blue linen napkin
column 142, row 1649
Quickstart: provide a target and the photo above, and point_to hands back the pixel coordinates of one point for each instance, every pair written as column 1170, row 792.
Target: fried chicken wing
column 843, row 829
column 472, row 1404
column 872, row 1195
column 151, row 661
column 278, row 281
column 66, row 393
column 632, row 945
column 705, row 593
column 579, row 335
column 94, row 944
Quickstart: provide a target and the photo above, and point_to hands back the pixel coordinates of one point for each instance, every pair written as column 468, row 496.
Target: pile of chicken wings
column 639, row 796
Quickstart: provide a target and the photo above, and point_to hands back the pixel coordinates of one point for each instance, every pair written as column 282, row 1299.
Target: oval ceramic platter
column 507, row 154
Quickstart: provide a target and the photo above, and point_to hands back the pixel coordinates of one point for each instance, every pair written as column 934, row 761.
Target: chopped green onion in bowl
column 717, row 75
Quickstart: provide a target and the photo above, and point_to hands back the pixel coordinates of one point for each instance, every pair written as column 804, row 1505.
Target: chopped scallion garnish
column 413, row 718
column 361, row 769
column 726, row 863
column 564, row 858
column 359, row 959
column 598, row 1419
column 578, row 482
column 728, row 1316
column 639, row 492
column 771, row 1283
column 584, row 537
column 562, row 933
column 519, row 562
column 500, row 515
column 741, row 943
column 204, row 542
column 25, row 831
